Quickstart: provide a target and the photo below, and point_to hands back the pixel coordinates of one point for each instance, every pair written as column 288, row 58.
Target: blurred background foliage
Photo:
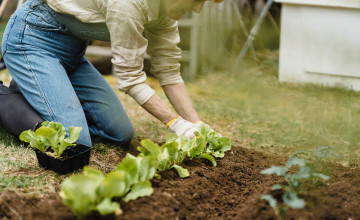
column 224, row 28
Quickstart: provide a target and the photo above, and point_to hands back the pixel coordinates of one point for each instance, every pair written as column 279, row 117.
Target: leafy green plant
column 207, row 144
column 315, row 157
column 193, row 148
column 93, row 191
column 290, row 201
column 307, row 170
column 51, row 134
column 216, row 144
column 167, row 156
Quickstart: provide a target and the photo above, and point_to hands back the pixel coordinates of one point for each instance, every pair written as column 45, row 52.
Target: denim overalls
column 45, row 56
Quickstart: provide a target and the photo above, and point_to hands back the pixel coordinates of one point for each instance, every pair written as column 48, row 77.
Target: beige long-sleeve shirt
column 127, row 20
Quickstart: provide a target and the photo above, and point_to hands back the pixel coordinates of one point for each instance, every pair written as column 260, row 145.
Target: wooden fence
column 219, row 32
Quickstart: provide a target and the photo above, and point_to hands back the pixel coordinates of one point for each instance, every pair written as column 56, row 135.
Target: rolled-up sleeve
column 165, row 54
column 125, row 23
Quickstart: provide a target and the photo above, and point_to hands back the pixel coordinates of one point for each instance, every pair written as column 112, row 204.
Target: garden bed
column 231, row 190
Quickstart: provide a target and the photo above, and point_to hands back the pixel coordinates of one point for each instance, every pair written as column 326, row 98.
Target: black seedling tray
column 72, row 159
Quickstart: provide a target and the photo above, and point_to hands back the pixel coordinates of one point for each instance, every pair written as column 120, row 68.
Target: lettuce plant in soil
column 93, row 191
column 168, row 156
column 315, row 157
column 207, row 144
column 307, row 170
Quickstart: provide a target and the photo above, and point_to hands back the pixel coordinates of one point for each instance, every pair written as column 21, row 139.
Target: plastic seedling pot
column 72, row 159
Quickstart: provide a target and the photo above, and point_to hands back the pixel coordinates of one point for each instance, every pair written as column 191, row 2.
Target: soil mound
column 231, row 190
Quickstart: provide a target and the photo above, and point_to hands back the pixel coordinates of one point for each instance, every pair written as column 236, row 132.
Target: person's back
column 89, row 11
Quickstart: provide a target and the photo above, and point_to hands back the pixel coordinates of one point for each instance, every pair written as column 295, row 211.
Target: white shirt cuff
column 141, row 93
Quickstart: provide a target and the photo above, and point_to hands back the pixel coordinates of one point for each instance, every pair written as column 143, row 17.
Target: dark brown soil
column 231, row 190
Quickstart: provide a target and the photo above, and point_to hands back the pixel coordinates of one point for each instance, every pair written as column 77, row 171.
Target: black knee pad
column 16, row 114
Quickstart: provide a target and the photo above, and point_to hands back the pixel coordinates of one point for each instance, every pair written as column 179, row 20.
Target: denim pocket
column 8, row 28
column 42, row 20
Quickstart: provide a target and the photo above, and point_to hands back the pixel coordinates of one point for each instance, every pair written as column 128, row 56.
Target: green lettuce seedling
column 290, row 201
column 307, row 170
column 216, row 144
column 51, row 134
column 131, row 179
column 196, row 148
column 79, row 192
column 94, row 191
column 315, row 157
column 207, row 144
column 290, row 197
column 167, row 156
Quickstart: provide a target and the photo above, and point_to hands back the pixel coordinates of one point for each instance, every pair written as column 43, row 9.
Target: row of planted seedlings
column 95, row 191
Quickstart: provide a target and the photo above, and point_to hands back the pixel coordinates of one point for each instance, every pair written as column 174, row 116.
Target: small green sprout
column 308, row 169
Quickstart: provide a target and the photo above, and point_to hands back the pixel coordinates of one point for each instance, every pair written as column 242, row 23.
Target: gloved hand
column 182, row 127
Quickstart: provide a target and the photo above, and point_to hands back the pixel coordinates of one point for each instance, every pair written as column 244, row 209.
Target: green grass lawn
column 253, row 107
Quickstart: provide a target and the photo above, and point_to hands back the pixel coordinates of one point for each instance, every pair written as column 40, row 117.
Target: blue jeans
column 49, row 66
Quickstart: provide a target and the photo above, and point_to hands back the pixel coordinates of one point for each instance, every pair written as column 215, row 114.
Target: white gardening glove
column 181, row 127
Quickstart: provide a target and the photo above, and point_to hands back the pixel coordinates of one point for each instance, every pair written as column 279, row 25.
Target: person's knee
column 84, row 141
column 126, row 136
column 117, row 135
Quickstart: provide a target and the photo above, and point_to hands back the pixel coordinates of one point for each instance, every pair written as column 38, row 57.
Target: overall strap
column 85, row 31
